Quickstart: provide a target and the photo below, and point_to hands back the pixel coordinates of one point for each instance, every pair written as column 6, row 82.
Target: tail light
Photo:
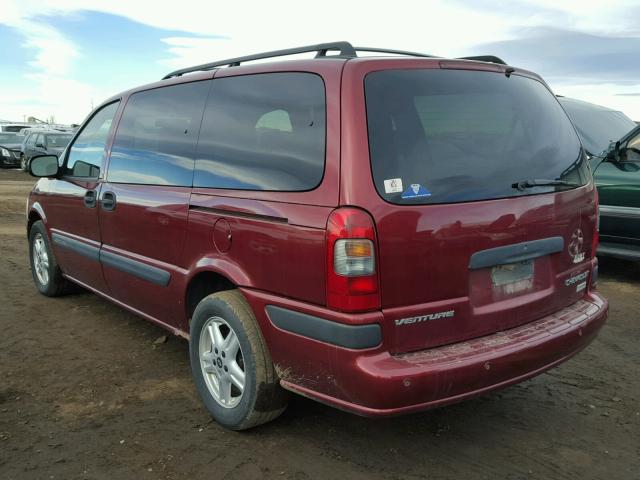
column 352, row 277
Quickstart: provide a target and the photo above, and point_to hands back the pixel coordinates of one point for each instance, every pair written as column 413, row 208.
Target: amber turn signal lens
column 359, row 248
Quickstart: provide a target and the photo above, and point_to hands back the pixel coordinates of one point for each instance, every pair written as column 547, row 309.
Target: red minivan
column 382, row 234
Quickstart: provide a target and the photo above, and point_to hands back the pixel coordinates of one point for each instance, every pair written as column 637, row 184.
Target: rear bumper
column 372, row 382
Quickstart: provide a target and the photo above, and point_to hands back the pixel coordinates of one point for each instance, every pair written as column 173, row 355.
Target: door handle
column 108, row 201
column 90, row 199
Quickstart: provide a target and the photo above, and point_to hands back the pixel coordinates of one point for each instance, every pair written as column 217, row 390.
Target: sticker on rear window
column 416, row 191
column 393, row 185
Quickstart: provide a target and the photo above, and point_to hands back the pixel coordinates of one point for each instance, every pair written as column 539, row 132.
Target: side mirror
column 40, row 145
column 44, row 166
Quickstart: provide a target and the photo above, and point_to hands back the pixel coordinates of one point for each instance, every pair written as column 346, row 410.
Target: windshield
column 597, row 126
column 442, row 136
column 58, row 141
column 8, row 139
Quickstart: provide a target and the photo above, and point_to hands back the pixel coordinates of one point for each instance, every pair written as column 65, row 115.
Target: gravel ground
column 86, row 391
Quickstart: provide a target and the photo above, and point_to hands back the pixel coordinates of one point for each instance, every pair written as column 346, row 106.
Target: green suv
column 612, row 140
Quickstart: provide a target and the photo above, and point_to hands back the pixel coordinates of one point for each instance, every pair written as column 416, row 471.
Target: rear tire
column 45, row 270
column 23, row 162
column 231, row 365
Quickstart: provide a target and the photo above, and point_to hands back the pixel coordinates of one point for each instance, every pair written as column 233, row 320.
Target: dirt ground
column 85, row 392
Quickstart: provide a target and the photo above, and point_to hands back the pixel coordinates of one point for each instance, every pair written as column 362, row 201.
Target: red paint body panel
column 425, row 249
column 375, row 383
column 149, row 225
column 280, row 246
column 63, row 202
column 273, row 246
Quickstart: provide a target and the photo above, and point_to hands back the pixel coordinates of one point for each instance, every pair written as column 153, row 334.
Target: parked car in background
column 381, row 234
column 12, row 127
column 10, row 150
column 47, row 128
column 613, row 141
column 41, row 143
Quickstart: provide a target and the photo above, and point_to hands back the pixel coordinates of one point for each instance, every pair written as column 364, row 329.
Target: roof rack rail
column 485, row 58
column 345, row 49
column 396, row 52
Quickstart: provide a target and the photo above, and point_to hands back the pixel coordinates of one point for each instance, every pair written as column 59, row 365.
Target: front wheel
column 231, row 365
column 23, row 162
column 44, row 268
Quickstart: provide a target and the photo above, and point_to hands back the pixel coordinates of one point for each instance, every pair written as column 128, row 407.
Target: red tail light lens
column 352, row 277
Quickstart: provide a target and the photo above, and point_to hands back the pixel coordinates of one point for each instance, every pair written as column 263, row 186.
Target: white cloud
column 613, row 96
column 46, row 90
column 54, row 53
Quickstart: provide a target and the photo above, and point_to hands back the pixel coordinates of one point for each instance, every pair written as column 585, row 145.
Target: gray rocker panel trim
column 76, row 246
column 135, row 268
column 341, row 335
column 132, row 267
column 518, row 252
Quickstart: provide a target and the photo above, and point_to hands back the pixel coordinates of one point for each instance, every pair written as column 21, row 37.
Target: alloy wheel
column 222, row 362
column 40, row 259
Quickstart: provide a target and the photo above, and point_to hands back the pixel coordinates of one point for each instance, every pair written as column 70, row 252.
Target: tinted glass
column 86, row 154
column 634, row 142
column 57, row 141
column 7, row 138
column 597, row 126
column 156, row 138
column 263, row 132
column 440, row 136
column 12, row 128
column 32, row 139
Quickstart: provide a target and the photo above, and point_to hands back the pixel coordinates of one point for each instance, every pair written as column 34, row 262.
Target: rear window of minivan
column 444, row 136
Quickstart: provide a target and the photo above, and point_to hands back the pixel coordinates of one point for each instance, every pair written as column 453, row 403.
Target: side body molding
column 138, row 269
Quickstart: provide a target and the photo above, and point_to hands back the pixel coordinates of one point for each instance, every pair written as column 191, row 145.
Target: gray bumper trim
column 348, row 336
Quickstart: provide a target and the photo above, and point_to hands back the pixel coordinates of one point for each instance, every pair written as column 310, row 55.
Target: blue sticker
column 416, row 191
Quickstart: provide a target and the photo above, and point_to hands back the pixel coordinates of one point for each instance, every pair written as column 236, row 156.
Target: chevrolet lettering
column 576, row 278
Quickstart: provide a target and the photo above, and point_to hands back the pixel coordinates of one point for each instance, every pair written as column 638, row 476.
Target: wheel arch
column 201, row 284
column 36, row 213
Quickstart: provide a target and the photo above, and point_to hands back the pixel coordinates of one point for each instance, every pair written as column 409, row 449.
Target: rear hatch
column 490, row 210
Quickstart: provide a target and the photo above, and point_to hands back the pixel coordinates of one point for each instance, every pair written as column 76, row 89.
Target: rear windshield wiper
column 524, row 184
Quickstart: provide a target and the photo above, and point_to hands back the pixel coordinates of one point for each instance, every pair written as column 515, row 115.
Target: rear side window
column 156, row 138
column 57, row 141
column 442, row 136
column 263, row 132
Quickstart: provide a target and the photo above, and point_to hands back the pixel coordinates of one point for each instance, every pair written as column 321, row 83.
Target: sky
column 61, row 58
